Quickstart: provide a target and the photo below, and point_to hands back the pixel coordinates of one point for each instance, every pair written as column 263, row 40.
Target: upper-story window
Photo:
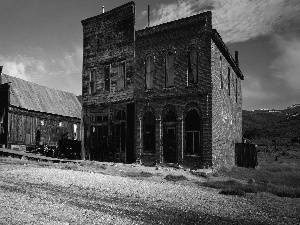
column 149, row 72
column 93, row 81
column 121, row 76
column 107, row 77
column 170, row 69
column 228, row 81
column 221, row 73
column 192, row 66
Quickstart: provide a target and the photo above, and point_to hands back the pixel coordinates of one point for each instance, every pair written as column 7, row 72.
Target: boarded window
column 149, row 133
column 121, row 76
column 170, row 70
column 221, row 74
column 93, row 81
column 192, row 66
column 228, row 81
column 149, row 72
column 107, row 78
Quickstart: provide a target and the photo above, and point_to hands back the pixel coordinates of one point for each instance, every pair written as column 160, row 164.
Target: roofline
column 168, row 25
column 37, row 84
column 51, row 114
column 83, row 22
column 216, row 37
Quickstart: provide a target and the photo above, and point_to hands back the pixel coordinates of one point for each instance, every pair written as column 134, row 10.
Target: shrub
column 175, row 178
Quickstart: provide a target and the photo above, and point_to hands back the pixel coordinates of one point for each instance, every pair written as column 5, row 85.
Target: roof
column 216, row 37
column 39, row 98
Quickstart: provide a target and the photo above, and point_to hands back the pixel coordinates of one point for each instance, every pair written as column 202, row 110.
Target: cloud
column 72, row 61
column 21, row 66
column 287, row 66
column 236, row 20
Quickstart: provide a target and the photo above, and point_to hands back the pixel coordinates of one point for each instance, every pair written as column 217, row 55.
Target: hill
column 268, row 124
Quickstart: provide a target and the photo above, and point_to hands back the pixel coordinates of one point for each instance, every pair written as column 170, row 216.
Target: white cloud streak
column 287, row 65
column 34, row 69
column 236, row 20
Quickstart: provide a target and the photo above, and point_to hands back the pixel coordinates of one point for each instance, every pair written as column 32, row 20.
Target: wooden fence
column 245, row 155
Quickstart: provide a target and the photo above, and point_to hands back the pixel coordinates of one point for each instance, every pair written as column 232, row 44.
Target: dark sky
column 41, row 41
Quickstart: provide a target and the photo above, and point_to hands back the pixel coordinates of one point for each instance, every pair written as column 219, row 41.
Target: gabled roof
column 39, row 98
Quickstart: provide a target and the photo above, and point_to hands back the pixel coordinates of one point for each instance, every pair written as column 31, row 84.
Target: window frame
column 228, row 77
column 149, row 86
column 121, row 85
column 221, row 71
column 190, row 67
column 106, row 78
column 92, row 82
column 169, row 71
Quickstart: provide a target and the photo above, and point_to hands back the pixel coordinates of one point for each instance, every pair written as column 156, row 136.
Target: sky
column 41, row 41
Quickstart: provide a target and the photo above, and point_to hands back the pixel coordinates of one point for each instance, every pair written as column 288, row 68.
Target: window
column 228, row 81
column 170, row 70
column 93, row 81
column 192, row 67
column 121, row 76
column 236, row 90
column 149, row 72
column 221, row 75
column 75, row 131
column 107, row 78
column 193, row 128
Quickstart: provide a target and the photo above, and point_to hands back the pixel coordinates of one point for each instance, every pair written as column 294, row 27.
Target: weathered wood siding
column 24, row 127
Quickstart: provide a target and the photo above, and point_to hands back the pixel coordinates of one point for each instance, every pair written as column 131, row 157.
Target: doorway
column 170, row 138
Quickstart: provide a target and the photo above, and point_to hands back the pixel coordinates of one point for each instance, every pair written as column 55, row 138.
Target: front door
column 170, row 144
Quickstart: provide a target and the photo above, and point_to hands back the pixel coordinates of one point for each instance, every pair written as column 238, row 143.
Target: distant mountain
column 271, row 124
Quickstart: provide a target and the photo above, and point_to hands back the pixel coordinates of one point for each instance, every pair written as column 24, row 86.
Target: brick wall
column 226, row 109
column 108, row 39
column 177, row 37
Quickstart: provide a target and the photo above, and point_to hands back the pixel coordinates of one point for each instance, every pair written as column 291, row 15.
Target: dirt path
column 35, row 195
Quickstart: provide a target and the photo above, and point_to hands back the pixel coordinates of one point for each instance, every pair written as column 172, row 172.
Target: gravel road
column 38, row 195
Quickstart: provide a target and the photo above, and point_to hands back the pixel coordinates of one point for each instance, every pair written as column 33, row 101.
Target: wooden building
column 32, row 114
column 170, row 93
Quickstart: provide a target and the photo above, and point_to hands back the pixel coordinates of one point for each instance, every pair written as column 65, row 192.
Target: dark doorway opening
column 120, row 136
column 130, row 157
column 193, row 132
column 170, row 130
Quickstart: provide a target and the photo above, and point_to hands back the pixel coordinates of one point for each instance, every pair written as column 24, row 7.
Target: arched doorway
column 120, row 136
column 169, row 138
column 149, row 132
column 193, row 132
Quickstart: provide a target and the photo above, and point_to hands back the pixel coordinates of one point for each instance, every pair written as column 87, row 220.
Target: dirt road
column 37, row 195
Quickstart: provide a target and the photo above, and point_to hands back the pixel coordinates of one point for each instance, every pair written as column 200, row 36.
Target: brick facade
column 158, row 126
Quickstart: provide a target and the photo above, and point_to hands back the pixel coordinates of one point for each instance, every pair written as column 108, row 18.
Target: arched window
column 170, row 69
column 149, row 72
column 192, row 66
column 193, row 132
column 149, row 132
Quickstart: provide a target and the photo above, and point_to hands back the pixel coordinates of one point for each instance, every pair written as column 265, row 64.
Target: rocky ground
column 128, row 194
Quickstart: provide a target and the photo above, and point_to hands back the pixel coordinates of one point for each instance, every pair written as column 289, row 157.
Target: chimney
column 148, row 15
column 1, row 67
column 237, row 58
column 102, row 9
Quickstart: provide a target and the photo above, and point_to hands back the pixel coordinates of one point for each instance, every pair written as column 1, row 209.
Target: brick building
column 164, row 94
